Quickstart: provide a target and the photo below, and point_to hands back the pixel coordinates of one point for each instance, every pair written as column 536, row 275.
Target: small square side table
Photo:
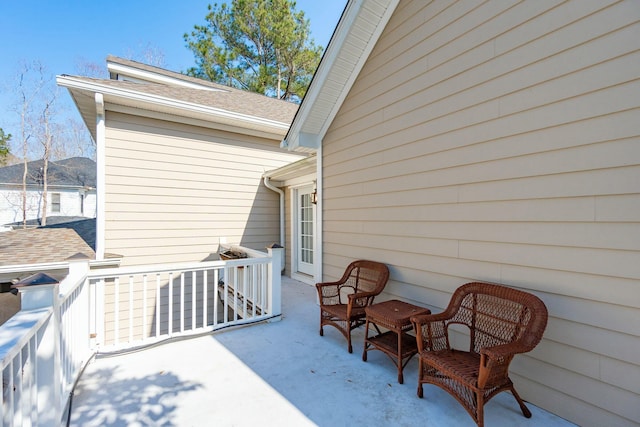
column 396, row 343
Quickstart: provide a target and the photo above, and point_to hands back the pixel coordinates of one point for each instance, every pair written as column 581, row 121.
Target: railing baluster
column 204, row 298
column 225, row 295
column 130, row 308
column 18, row 387
column 2, row 402
column 12, row 395
column 254, row 288
column 170, row 317
column 235, row 292
column 116, row 290
column 158, row 305
column 33, row 349
column 245, row 296
column 145, row 320
column 193, row 300
column 264, row 287
column 182, row 301
column 216, row 278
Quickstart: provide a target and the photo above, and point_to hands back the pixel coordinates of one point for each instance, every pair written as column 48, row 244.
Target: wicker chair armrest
column 328, row 293
column 431, row 331
column 494, row 362
column 361, row 299
column 503, row 353
column 325, row 284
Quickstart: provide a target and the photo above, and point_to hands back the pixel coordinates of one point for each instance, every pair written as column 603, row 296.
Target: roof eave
column 180, row 108
column 300, row 138
column 301, row 167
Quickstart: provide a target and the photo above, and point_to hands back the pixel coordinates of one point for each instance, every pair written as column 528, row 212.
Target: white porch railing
column 44, row 347
column 144, row 304
column 42, row 350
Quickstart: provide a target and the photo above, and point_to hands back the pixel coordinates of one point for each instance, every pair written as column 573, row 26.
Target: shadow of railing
column 147, row 400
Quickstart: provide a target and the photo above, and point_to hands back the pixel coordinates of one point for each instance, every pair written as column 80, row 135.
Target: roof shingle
column 42, row 245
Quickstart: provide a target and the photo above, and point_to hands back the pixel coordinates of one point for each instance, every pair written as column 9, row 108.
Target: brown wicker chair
column 502, row 322
column 342, row 303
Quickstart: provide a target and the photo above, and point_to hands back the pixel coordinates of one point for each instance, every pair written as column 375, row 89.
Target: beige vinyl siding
column 500, row 141
column 173, row 190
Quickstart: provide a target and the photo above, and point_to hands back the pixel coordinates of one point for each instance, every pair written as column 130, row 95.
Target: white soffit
column 359, row 28
column 306, row 166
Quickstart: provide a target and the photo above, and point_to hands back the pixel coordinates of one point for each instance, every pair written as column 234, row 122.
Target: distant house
column 180, row 162
column 71, row 190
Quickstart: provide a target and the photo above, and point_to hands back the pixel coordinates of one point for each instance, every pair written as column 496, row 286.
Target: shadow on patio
column 279, row 373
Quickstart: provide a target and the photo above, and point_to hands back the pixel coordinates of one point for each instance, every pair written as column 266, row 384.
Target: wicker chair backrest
column 497, row 314
column 366, row 276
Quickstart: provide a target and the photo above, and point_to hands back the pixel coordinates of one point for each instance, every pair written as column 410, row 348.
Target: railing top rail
column 22, row 268
column 165, row 268
column 18, row 330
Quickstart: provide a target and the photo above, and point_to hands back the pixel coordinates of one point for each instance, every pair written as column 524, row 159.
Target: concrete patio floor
column 272, row 374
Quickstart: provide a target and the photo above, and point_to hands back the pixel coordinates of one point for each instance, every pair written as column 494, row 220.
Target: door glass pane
column 306, row 229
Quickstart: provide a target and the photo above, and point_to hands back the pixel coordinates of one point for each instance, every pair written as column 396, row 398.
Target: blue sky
column 62, row 34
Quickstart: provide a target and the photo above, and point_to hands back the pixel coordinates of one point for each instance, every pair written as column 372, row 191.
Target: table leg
column 366, row 337
column 400, row 376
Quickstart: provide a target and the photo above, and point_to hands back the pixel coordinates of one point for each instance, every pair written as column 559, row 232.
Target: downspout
column 318, row 231
column 100, row 177
column 270, row 186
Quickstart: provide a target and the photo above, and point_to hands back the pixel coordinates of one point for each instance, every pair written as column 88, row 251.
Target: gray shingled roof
column 42, row 245
column 233, row 100
column 85, row 227
column 75, row 171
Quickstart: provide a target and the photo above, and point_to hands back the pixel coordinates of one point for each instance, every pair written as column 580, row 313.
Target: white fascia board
column 149, row 76
column 392, row 4
column 292, row 142
column 294, row 139
column 189, row 107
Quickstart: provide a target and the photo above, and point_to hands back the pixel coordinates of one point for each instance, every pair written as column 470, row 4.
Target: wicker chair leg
column 420, row 373
column 480, row 408
column 525, row 411
column 349, row 338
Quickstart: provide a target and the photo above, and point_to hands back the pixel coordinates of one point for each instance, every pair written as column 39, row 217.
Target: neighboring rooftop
column 85, row 227
column 74, row 172
column 42, row 245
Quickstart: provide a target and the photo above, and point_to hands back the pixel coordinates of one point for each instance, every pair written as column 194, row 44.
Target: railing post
column 48, row 353
column 275, row 280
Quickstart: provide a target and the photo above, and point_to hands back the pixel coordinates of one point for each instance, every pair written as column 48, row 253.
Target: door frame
column 295, row 234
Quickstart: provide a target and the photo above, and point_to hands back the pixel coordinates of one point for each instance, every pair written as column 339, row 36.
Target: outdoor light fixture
column 314, row 196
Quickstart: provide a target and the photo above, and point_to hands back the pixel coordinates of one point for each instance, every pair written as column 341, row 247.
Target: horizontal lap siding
column 499, row 141
column 173, row 190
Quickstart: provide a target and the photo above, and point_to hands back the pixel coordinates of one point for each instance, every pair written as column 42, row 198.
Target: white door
column 305, row 227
